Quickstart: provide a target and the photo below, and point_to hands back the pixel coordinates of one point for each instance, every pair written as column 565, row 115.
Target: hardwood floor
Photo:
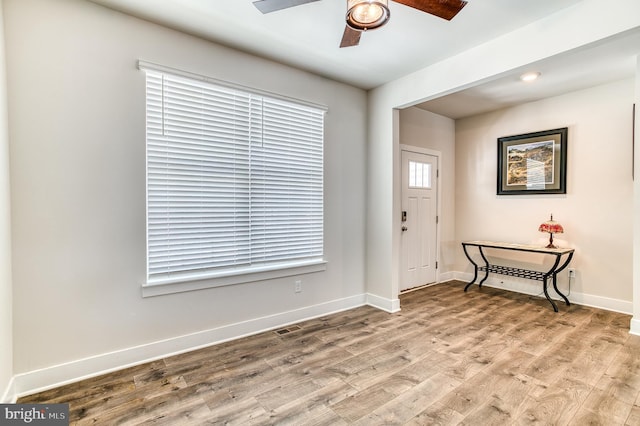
column 486, row 357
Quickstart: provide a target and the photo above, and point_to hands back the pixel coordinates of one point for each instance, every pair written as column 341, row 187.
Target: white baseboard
column 58, row 375
column 635, row 326
column 447, row 276
column 9, row 396
column 535, row 288
column 388, row 305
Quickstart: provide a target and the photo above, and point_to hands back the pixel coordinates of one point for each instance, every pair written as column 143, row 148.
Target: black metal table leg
column 551, row 274
column 475, row 267
column 555, row 287
column 546, row 294
column 486, row 266
column 555, row 284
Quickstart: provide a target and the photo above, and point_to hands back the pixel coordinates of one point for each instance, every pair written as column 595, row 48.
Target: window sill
column 159, row 287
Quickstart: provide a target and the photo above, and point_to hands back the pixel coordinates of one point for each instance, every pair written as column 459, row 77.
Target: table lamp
column 552, row 227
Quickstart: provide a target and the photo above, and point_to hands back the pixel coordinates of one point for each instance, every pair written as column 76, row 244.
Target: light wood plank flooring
column 486, row 357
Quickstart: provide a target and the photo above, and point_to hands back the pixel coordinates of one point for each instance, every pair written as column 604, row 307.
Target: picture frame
column 533, row 163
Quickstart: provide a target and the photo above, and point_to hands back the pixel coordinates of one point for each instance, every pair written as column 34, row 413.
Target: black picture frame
column 533, row 163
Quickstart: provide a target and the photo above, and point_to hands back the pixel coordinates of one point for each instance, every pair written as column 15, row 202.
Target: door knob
column 404, row 228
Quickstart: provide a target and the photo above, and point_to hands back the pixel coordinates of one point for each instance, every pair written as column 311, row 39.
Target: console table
column 543, row 276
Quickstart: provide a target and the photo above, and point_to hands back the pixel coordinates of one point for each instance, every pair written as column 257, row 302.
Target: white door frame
column 438, row 155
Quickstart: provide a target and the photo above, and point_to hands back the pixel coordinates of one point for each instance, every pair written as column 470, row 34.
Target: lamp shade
column 552, row 227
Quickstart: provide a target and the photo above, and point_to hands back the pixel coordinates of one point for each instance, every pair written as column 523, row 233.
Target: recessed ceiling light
column 530, row 76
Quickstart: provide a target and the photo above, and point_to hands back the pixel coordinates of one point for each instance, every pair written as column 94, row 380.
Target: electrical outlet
column 572, row 273
column 297, row 286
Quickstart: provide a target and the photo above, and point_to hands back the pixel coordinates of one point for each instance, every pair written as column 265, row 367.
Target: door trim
column 438, row 155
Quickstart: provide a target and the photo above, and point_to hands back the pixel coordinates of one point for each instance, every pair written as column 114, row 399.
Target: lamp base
column 550, row 245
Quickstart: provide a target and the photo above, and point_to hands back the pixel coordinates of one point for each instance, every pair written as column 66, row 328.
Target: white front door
column 419, row 219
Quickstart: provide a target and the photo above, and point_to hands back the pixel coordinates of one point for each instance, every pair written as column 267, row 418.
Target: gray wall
column 6, row 323
column 77, row 123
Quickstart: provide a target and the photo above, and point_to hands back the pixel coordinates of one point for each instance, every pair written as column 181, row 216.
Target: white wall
column 586, row 22
column 596, row 212
column 425, row 129
column 635, row 322
column 6, row 311
column 76, row 104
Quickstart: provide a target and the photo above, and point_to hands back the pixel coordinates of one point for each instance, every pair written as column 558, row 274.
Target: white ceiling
column 308, row 37
column 606, row 61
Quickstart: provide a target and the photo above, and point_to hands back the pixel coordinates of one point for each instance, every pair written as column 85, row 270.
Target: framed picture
column 533, row 163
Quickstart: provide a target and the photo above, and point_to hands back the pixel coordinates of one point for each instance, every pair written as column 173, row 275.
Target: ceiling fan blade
column 267, row 6
column 445, row 9
column 350, row 37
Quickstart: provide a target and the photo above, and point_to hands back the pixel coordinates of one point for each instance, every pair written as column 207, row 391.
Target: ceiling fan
column 363, row 15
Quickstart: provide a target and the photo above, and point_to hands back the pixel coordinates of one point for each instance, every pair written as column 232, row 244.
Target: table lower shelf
column 514, row 272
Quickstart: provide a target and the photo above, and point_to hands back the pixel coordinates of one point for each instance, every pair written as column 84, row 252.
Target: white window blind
column 234, row 179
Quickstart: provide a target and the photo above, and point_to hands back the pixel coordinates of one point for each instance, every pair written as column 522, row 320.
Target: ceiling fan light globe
column 365, row 15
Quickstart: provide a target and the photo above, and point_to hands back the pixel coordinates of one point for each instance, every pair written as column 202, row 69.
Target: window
column 419, row 175
column 234, row 180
